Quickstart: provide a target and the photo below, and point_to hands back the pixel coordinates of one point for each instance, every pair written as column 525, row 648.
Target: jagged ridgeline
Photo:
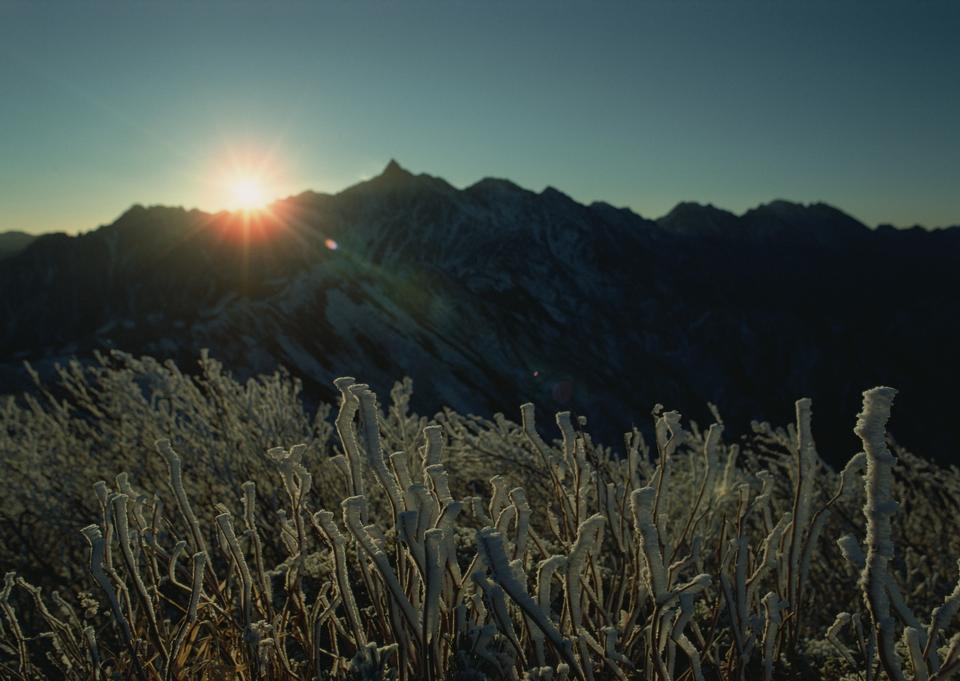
column 163, row 526
column 492, row 295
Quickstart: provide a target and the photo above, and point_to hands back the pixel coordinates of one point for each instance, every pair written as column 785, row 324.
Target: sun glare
column 248, row 194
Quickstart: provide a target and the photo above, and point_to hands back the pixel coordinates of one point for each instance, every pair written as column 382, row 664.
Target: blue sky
column 643, row 104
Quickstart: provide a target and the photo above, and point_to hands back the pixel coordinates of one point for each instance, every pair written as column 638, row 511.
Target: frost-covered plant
column 882, row 595
column 461, row 548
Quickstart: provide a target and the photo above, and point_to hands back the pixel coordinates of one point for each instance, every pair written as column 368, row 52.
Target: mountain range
column 494, row 295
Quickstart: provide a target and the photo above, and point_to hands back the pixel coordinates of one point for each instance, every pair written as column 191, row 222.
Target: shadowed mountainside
column 494, row 295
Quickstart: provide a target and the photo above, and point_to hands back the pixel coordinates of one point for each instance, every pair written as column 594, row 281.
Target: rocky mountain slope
column 493, row 295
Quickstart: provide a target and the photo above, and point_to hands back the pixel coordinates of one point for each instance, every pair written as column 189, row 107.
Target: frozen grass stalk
column 879, row 508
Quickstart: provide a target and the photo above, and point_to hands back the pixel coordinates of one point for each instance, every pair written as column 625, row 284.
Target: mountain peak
column 551, row 192
column 784, row 209
column 693, row 218
column 13, row 242
column 812, row 218
column 395, row 178
column 692, row 208
column 394, row 170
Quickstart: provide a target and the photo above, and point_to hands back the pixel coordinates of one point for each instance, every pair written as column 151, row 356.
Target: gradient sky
column 103, row 105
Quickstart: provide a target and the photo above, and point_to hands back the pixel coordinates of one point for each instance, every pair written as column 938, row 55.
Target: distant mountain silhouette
column 13, row 242
column 494, row 295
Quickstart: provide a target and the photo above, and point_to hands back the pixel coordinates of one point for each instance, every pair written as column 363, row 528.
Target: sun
column 248, row 194
column 245, row 180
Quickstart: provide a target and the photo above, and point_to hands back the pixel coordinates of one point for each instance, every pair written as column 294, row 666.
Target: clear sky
column 641, row 104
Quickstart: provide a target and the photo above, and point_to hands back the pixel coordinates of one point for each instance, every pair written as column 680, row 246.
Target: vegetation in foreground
column 228, row 534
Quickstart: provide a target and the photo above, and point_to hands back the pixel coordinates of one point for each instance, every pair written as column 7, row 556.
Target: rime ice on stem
column 879, row 507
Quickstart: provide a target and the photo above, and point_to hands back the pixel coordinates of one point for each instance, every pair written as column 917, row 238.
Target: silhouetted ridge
column 554, row 194
column 13, row 242
column 495, row 294
column 394, row 171
column 394, row 181
column 494, row 186
column 818, row 221
column 701, row 220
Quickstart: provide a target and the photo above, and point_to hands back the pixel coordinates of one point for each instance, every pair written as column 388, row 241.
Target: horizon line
column 393, row 166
